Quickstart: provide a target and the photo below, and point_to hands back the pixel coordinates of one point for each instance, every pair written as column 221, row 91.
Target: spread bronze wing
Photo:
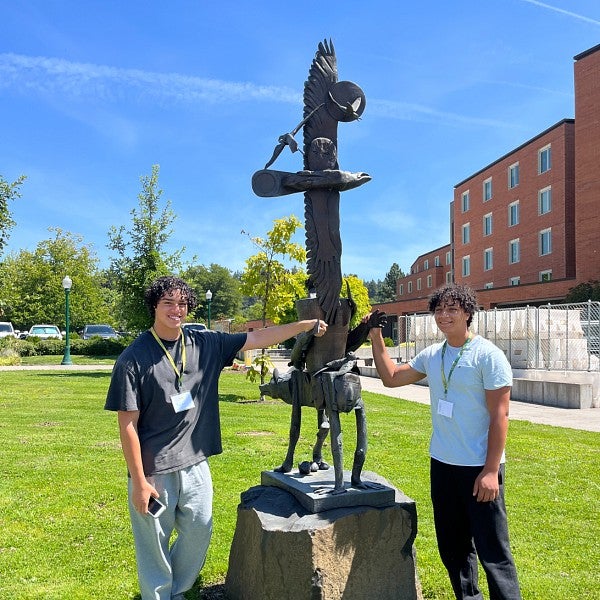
column 321, row 207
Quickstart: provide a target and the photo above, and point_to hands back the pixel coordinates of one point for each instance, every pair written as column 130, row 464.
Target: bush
column 95, row 346
column 389, row 342
column 9, row 357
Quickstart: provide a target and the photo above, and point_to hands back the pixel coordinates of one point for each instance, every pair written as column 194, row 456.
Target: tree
column 8, row 191
column 226, row 302
column 583, row 292
column 140, row 256
column 360, row 296
column 31, row 284
column 387, row 290
column 266, row 277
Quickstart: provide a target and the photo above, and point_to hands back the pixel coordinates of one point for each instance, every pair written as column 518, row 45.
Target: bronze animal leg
column 318, row 463
column 360, row 454
column 295, row 423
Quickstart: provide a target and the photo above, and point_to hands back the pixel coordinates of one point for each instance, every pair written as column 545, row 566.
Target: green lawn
column 63, row 516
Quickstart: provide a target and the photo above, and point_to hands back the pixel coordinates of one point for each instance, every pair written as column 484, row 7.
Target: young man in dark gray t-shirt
column 164, row 388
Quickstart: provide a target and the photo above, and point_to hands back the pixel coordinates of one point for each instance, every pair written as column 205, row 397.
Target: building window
column 487, row 189
column 465, row 201
column 419, row 283
column 410, row 287
column 546, row 275
column 545, row 200
column 488, row 286
column 429, row 281
column 401, row 290
column 487, row 224
column 513, row 213
column 545, row 242
column 514, row 281
column 426, row 264
column 436, row 261
column 513, row 176
column 466, row 233
column 466, row 266
column 545, row 159
column 488, row 259
column 448, row 276
column 448, row 257
column 514, row 251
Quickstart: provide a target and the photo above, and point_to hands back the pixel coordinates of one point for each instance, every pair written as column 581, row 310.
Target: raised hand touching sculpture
column 324, row 372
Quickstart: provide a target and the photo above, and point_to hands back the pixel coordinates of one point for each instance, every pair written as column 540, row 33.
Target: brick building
column 525, row 228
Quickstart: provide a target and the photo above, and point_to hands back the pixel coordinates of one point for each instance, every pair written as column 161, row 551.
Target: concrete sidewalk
column 587, row 419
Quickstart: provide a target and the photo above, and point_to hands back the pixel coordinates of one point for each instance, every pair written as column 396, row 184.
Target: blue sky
column 93, row 93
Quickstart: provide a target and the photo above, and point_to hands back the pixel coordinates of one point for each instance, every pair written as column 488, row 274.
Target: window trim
column 517, row 206
column 541, row 235
column 466, row 261
column 514, row 168
column 465, row 201
column 488, row 252
column 545, row 150
column 487, row 183
column 548, row 190
column 488, row 218
column 516, row 242
column 466, row 228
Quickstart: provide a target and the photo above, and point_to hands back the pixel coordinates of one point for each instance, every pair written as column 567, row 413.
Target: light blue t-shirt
column 460, row 427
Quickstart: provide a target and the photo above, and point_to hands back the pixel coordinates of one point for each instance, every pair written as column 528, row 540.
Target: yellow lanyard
column 183, row 355
column 446, row 382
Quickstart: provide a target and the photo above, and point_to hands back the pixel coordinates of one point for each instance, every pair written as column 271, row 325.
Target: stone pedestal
column 282, row 551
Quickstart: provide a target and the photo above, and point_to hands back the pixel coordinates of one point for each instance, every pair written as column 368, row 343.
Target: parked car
column 103, row 331
column 45, row 332
column 7, row 329
column 194, row 326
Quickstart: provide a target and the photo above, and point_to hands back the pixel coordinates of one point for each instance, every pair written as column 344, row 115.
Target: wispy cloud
column 55, row 75
column 563, row 11
column 58, row 77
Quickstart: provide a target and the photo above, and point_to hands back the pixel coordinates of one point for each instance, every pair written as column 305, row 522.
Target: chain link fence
column 555, row 337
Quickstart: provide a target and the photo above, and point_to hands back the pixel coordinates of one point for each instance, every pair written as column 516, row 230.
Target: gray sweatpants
column 166, row 570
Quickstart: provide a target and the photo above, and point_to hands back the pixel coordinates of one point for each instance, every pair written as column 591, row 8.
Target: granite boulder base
column 282, row 551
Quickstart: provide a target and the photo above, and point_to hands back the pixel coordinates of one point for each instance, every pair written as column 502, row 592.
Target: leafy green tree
column 274, row 285
column 226, row 301
column 583, row 292
column 360, row 296
column 140, row 255
column 8, row 191
column 267, row 278
column 31, row 284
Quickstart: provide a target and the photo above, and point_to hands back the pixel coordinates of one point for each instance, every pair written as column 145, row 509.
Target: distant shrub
column 9, row 357
column 389, row 342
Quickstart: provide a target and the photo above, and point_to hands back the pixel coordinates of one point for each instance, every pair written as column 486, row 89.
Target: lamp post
column 208, row 300
column 67, row 283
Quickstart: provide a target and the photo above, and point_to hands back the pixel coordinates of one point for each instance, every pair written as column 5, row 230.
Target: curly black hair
column 454, row 293
column 166, row 285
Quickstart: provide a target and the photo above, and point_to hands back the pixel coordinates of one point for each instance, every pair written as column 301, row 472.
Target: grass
column 63, row 515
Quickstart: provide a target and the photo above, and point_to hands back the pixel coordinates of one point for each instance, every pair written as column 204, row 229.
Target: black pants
column 467, row 529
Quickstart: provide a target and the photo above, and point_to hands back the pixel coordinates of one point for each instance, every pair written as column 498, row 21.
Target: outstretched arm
column 263, row 338
column 391, row 375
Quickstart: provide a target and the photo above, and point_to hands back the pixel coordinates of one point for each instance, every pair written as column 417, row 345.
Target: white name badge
column 445, row 408
column 183, row 401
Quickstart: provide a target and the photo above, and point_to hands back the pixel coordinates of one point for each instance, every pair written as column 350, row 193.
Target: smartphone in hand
column 155, row 507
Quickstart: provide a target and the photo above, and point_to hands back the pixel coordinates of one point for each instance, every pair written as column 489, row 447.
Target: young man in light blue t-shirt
column 469, row 385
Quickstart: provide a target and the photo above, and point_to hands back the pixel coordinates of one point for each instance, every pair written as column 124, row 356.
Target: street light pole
column 67, row 283
column 208, row 300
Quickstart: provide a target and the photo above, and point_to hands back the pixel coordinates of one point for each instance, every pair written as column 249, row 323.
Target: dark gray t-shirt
column 143, row 379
